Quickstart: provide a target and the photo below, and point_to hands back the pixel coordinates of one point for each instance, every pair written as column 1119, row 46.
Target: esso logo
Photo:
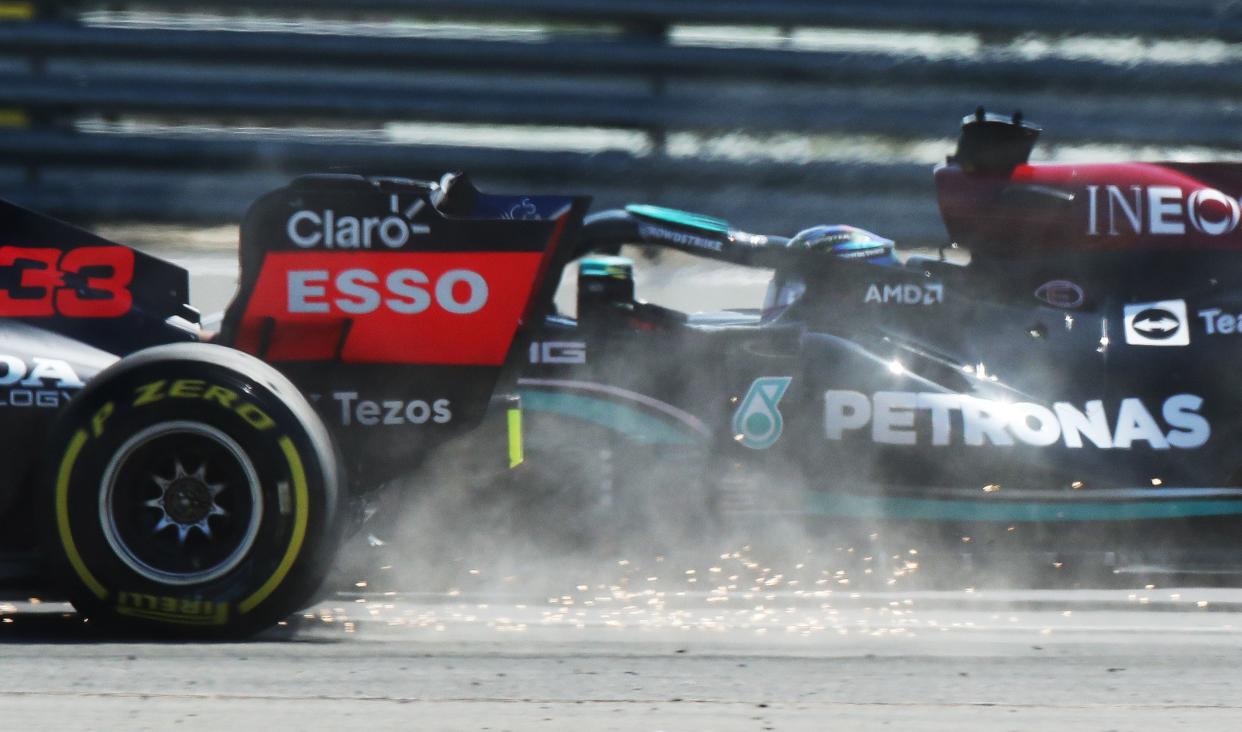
column 406, row 291
column 427, row 307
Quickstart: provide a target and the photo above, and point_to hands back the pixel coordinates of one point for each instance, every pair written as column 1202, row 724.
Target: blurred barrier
column 768, row 113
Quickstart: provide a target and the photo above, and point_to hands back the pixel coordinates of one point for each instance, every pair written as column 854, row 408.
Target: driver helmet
column 846, row 242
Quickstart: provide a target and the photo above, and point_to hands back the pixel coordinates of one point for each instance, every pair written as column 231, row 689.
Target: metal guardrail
column 620, row 68
column 909, row 113
column 624, row 55
column 1190, row 18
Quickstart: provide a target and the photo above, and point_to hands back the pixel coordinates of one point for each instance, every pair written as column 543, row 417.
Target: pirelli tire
column 192, row 491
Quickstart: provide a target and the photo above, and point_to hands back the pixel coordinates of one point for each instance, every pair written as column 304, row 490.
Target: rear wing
column 394, row 303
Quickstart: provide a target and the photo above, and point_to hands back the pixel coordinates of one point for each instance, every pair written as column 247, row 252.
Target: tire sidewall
column 280, row 436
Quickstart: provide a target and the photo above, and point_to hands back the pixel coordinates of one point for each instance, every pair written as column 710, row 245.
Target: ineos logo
column 1160, row 210
column 360, row 291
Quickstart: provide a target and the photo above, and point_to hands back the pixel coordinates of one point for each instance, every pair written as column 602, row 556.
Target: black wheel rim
column 180, row 503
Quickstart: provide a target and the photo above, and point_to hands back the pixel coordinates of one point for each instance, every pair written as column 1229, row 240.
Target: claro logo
column 406, row 291
column 1161, row 210
column 331, row 230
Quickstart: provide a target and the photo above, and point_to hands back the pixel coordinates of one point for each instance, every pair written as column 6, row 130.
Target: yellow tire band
column 515, row 438
column 301, row 515
column 62, row 516
column 16, row 11
column 13, row 118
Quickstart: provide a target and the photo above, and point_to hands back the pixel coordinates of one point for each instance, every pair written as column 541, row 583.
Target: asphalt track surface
column 645, row 643
column 963, row 661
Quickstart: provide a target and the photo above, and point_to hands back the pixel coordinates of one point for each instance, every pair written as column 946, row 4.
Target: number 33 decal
column 87, row 282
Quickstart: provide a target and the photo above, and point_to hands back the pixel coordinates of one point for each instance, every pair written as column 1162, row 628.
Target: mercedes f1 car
column 1069, row 384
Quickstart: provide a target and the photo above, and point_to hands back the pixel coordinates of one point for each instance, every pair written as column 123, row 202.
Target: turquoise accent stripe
column 620, row 268
column 881, row 507
column 679, row 218
column 634, row 424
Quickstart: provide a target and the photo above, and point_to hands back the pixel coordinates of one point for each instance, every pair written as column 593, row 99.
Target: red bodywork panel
column 394, row 304
column 1039, row 207
column 413, row 308
column 356, row 272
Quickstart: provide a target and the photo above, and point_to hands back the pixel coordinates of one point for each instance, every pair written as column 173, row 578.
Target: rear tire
column 193, row 491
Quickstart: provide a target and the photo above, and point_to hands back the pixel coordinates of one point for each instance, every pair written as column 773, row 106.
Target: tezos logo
column 389, row 412
column 757, row 421
column 1161, row 323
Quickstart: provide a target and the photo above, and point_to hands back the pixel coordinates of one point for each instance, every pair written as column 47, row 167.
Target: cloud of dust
column 608, row 516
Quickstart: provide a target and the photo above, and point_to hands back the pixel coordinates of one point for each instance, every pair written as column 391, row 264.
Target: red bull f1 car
column 1067, row 386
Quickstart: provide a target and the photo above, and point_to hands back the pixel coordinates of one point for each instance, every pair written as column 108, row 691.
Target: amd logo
column 1160, row 210
column 929, row 293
